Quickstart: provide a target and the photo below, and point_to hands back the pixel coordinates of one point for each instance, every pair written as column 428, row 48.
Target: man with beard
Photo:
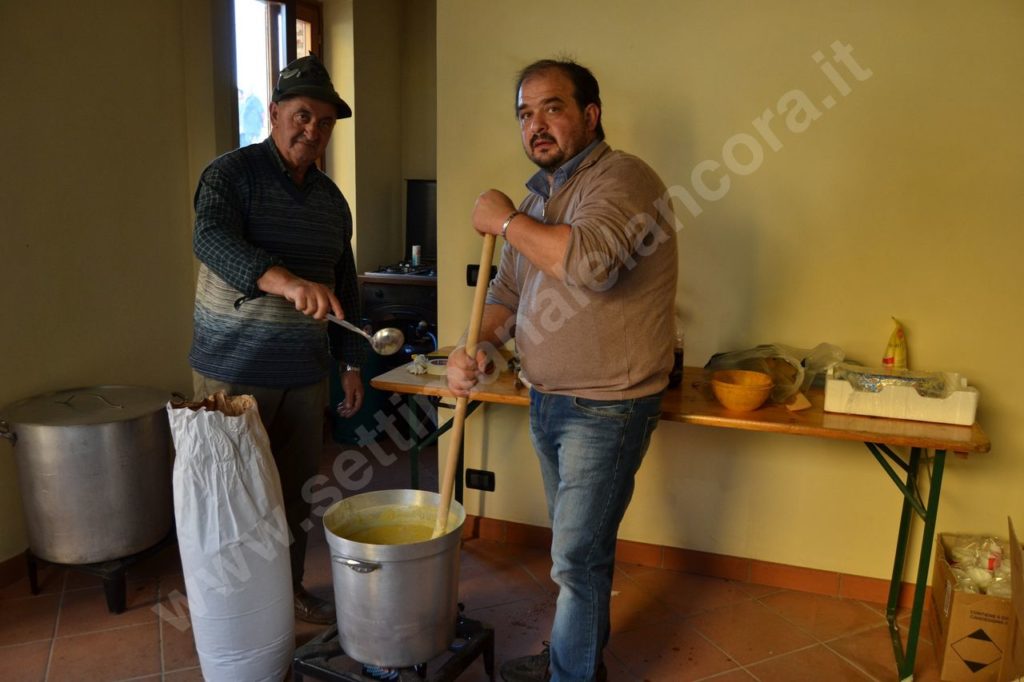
column 586, row 284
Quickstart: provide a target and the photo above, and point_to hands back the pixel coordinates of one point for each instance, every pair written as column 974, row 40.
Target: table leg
column 912, row 503
column 414, row 455
column 430, row 439
column 932, row 512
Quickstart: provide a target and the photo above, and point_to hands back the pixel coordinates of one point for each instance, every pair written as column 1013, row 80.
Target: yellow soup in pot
column 387, row 525
column 399, row 534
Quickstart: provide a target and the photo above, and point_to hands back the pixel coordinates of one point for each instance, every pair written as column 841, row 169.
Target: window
column 263, row 35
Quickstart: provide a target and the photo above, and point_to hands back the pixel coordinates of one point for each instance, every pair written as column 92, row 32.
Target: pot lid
column 89, row 405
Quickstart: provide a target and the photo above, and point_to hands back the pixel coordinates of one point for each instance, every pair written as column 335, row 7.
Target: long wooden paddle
column 472, row 336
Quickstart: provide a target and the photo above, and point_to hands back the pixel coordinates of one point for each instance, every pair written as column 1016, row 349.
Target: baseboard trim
column 12, row 570
column 798, row 578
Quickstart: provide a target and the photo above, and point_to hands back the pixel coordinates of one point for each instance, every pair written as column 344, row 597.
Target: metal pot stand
column 323, row 659
column 111, row 572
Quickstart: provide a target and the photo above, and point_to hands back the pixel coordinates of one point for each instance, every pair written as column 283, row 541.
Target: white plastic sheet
column 233, row 540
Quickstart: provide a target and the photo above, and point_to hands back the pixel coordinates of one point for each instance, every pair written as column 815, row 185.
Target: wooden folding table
column 692, row 403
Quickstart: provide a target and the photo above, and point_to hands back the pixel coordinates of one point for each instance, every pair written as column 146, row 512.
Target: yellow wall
column 97, row 264
column 379, row 143
column 339, row 30
column 903, row 198
column 418, row 50
column 381, row 58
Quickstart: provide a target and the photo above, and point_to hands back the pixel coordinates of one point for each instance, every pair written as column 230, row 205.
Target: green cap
column 307, row 76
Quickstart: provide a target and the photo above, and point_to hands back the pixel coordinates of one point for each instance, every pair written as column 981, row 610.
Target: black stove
column 403, row 296
column 407, row 268
column 323, row 658
column 112, row 572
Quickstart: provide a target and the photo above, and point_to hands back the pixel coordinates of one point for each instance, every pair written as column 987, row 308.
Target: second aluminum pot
column 94, row 467
column 396, row 604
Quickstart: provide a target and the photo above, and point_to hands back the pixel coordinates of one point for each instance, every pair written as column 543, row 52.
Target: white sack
column 233, row 540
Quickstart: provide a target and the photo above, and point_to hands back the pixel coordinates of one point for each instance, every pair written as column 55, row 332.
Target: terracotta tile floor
column 666, row 625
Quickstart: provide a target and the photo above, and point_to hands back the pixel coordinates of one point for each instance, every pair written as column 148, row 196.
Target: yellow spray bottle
column 896, row 351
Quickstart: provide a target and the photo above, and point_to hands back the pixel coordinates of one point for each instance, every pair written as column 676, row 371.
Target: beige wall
column 419, row 87
column 339, row 32
column 378, row 145
column 382, row 55
column 901, row 199
column 97, row 264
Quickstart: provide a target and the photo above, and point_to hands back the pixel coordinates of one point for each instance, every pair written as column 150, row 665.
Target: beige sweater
column 607, row 332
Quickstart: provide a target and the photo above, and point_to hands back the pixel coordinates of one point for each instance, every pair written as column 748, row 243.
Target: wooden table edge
column 692, row 403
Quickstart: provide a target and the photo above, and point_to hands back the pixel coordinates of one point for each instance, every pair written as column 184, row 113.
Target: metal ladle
column 386, row 341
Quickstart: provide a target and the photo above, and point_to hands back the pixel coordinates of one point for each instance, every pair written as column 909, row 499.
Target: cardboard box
column 969, row 630
column 1013, row 661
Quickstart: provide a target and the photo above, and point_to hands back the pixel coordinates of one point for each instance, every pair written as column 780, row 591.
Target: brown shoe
column 312, row 609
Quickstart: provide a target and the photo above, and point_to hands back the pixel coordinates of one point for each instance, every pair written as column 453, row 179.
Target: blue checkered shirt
column 250, row 215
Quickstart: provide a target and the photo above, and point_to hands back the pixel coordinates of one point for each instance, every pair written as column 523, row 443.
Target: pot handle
column 5, row 432
column 356, row 565
column 94, row 395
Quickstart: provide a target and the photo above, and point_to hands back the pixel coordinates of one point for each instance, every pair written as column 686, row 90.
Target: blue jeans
column 589, row 452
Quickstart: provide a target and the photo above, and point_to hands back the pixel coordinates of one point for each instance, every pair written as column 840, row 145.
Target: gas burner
column 322, row 658
column 379, row 673
column 111, row 572
column 407, row 268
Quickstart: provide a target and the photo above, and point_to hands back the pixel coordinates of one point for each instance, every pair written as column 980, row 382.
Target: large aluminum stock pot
column 94, row 466
column 397, row 603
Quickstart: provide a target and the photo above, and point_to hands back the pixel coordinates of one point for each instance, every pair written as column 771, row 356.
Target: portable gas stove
column 110, row 572
column 323, row 659
column 404, row 296
column 407, row 268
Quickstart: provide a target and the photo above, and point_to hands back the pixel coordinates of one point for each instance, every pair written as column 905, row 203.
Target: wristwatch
column 351, row 368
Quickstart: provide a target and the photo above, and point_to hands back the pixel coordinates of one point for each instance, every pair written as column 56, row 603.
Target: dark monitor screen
column 421, row 219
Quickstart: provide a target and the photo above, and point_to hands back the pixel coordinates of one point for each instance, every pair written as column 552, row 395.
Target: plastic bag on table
column 791, row 369
column 233, row 540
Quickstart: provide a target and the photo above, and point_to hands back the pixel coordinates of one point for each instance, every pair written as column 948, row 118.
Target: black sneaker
column 528, row 668
column 535, row 668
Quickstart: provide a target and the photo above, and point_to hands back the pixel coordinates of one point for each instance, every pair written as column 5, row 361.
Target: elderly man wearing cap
column 273, row 237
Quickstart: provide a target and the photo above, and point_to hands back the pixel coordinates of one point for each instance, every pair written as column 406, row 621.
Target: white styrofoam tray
column 904, row 402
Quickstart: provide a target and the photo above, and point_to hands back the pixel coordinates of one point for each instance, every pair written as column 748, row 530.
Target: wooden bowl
column 740, row 390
